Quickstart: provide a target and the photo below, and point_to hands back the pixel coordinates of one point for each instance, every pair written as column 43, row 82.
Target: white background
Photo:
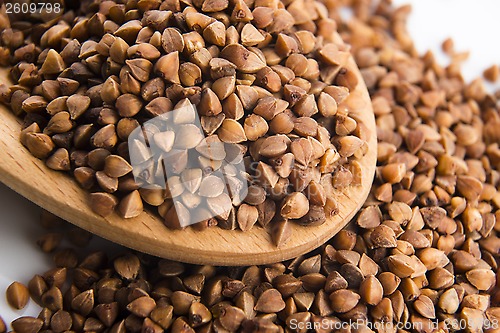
column 473, row 25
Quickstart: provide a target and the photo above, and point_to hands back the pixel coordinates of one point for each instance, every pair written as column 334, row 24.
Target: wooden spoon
column 61, row 195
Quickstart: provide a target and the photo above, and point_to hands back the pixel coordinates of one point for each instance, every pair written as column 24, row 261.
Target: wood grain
column 60, row 194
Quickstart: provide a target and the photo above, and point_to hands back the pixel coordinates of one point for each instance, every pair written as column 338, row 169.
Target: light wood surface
column 60, row 194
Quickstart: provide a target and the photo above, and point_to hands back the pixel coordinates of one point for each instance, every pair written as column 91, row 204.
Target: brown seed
column 3, row 326
column 383, row 311
column 53, row 63
column 315, row 216
column 140, row 68
column 401, row 265
column 27, row 325
column 305, row 126
column 182, row 301
column 224, row 87
column 302, row 151
column 131, row 205
column 348, row 145
column 433, row 216
column 150, row 326
column 162, row 315
column 193, row 41
column 281, row 232
column 189, row 74
column 61, row 321
column 118, row 50
column 394, row 172
column 232, row 107
column 345, row 125
column 34, row 104
column 424, row 306
column 269, row 79
column 59, row 160
column 482, row 279
column 142, row 306
column 127, row 266
column 440, row 278
column 383, row 236
column 40, row 145
column 59, row 123
column 105, row 137
column 215, row 33
column 463, row 261
column 371, row 290
column 295, row 206
column 469, row 187
column 180, row 325
column 199, row 314
column 274, row 146
column 231, row 318
column 343, row 300
column 66, row 258
column 433, row 258
column 93, row 324
column 248, row 97
column 55, row 277
column 116, row 166
column 49, row 242
column 246, row 61
column 473, row 318
column 327, row 105
column 220, row 68
column 128, row 105
column 231, row 131
column 52, row 299
column 270, row 301
column 37, row 287
column 492, row 73
column 210, row 124
column 306, row 106
column 285, row 45
column 250, row 35
column 172, row 40
column 255, row 127
column 286, row 284
column 108, row 184
column 170, row 268
column 282, row 123
column 480, row 302
column 310, row 265
column 266, row 175
column 331, row 55
column 247, row 216
column 103, row 203
column 167, row 67
column 284, row 164
column 449, row 301
column 210, row 104
column 125, row 127
column 269, row 107
column 369, row 217
column 17, row 295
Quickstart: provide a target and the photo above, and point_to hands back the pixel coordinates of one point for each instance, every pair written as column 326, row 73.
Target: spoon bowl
column 60, row 194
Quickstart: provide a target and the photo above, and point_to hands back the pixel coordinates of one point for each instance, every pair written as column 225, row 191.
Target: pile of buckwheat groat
column 266, row 78
column 421, row 256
